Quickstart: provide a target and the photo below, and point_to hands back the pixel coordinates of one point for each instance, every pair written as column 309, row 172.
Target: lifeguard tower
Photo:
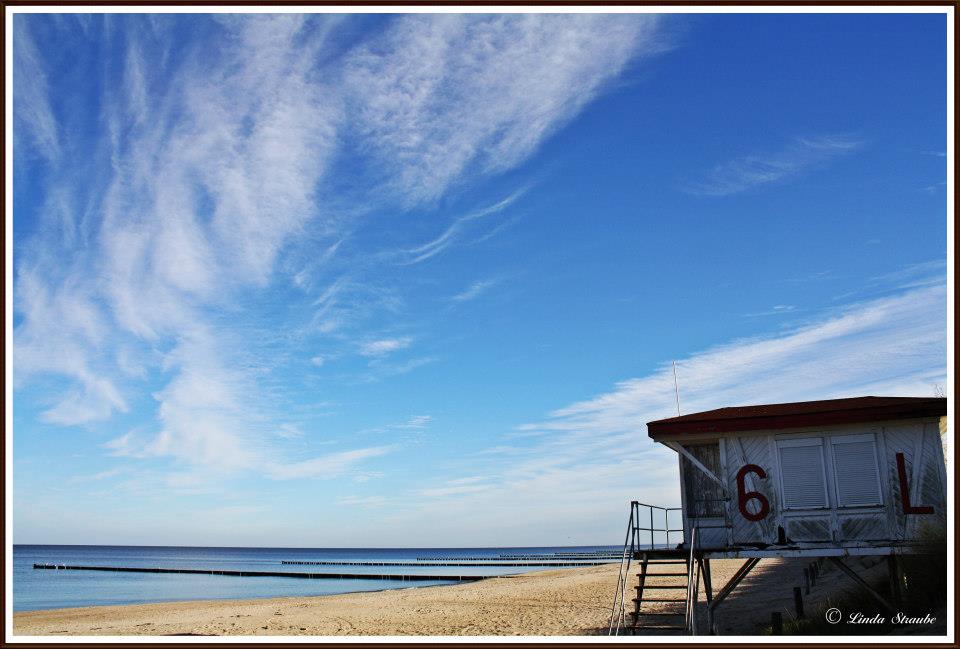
column 833, row 478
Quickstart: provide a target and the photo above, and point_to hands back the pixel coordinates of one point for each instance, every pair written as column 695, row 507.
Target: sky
column 420, row 280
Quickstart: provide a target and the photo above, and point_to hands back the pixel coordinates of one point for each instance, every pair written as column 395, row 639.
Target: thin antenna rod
column 676, row 387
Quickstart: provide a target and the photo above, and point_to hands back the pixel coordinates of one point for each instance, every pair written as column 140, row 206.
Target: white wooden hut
column 832, row 478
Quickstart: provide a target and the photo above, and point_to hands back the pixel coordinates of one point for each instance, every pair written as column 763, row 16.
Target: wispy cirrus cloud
column 776, row 309
column 456, row 230
column 385, row 346
column 474, row 291
column 926, row 273
column 459, row 486
column 38, row 129
column 755, row 170
column 889, row 345
column 70, row 315
column 326, row 467
column 208, row 176
column 584, row 462
column 208, row 180
column 417, row 421
column 441, row 96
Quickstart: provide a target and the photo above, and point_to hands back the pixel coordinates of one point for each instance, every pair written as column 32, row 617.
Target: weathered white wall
column 919, row 442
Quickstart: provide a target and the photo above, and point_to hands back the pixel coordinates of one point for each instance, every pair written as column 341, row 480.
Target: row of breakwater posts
column 273, row 573
column 472, row 563
column 531, row 557
column 813, row 571
column 556, row 560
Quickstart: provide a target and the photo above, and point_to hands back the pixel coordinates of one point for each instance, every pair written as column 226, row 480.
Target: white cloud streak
column 384, row 346
column 895, row 344
column 418, row 421
column 590, row 458
column 326, row 467
column 455, row 231
column 210, row 171
column 748, row 172
column 64, row 332
column 474, row 291
column 32, row 111
column 442, row 95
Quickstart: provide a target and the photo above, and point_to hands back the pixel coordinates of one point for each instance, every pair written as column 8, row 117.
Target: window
column 856, row 470
column 705, row 498
column 802, row 476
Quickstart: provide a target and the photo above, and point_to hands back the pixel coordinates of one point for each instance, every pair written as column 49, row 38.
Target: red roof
column 776, row 416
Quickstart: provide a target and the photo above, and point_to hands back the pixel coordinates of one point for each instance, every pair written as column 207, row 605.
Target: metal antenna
column 676, row 387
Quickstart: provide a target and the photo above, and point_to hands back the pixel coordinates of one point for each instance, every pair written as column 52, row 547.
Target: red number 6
column 744, row 496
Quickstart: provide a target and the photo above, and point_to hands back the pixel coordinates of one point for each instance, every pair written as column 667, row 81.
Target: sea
column 35, row 589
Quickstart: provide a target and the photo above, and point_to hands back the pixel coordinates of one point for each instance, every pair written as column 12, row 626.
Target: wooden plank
column 738, row 576
column 695, row 462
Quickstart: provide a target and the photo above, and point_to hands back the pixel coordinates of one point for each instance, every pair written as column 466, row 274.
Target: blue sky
column 418, row 280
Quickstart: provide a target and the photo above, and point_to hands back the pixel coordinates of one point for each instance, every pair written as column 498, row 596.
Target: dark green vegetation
column 921, row 611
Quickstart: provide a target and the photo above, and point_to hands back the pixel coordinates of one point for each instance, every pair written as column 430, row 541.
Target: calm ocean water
column 41, row 589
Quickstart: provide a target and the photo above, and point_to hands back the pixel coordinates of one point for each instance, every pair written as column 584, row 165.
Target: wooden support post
column 738, row 576
column 806, row 581
column 893, row 569
column 711, row 625
column 798, row 602
column 728, row 588
column 776, row 623
column 707, row 579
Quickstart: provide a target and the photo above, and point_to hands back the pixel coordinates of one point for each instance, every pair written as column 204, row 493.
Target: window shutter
column 855, row 468
column 801, row 474
column 705, row 498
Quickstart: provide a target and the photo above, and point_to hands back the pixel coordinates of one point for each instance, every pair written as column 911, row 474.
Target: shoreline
column 570, row 601
column 563, row 602
column 226, row 600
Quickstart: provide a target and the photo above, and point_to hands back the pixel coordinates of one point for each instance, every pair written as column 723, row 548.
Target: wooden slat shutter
column 801, row 473
column 855, row 470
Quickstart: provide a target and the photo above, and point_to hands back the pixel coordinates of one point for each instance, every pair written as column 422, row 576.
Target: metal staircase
column 667, row 583
column 661, row 601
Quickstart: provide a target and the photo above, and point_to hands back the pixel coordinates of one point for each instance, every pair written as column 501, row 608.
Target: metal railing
column 639, row 516
column 632, row 544
column 619, row 598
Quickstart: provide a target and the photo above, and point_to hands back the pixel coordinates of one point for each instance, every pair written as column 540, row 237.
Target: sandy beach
column 573, row 601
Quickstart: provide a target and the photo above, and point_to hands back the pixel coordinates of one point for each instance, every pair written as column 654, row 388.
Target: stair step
column 660, row 627
column 663, row 561
column 661, row 574
column 644, row 600
column 660, row 614
column 684, row 587
column 659, row 600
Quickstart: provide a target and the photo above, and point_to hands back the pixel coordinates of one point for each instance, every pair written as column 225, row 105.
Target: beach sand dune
column 573, row 601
